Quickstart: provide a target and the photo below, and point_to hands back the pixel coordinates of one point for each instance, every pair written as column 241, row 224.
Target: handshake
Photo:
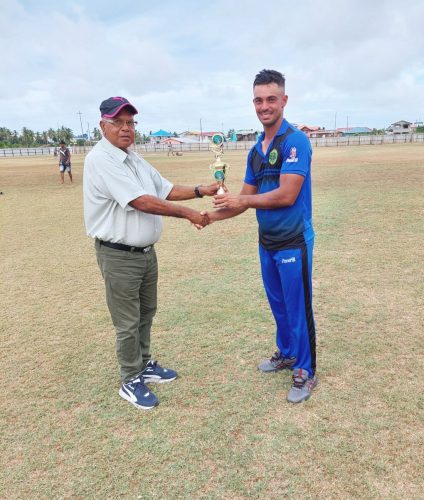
column 226, row 200
column 201, row 219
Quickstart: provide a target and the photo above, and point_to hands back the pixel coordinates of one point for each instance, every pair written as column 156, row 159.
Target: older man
column 124, row 199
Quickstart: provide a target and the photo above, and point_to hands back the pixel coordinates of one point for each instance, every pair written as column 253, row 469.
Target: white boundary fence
column 11, row 152
column 357, row 140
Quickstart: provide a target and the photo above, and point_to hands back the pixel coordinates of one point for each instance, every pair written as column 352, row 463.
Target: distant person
column 170, row 149
column 278, row 185
column 64, row 161
column 124, row 199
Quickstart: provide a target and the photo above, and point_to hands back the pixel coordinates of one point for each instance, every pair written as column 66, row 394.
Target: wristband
column 197, row 192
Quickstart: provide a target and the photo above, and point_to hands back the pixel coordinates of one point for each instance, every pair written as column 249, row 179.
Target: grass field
column 222, row 430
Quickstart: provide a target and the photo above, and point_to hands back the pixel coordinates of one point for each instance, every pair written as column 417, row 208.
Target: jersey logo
column 288, row 261
column 293, row 158
column 273, row 157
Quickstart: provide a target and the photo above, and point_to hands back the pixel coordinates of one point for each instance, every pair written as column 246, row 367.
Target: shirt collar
column 117, row 153
column 283, row 128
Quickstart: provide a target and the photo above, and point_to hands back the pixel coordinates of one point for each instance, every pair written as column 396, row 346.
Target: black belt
column 126, row 248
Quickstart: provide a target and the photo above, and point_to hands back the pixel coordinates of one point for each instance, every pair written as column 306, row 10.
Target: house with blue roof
column 160, row 135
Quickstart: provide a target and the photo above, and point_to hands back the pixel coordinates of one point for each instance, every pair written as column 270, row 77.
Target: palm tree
column 52, row 135
column 27, row 137
column 5, row 136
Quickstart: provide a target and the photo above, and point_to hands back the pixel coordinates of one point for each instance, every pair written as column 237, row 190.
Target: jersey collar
column 282, row 130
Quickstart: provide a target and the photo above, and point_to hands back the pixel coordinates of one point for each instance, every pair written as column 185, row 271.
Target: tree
column 52, row 135
column 65, row 134
column 38, row 139
column 378, row 131
column 5, row 137
column 27, row 137
column 138, row 138
column 14, row 139
column 96, row 134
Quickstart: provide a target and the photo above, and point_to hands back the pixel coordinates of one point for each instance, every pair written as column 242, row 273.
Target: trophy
column 218, row 167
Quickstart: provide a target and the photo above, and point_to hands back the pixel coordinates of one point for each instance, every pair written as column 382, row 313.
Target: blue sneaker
column 154, row 373
column 138, row 394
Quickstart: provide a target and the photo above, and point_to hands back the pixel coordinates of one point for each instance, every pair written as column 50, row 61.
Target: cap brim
column 112, row 115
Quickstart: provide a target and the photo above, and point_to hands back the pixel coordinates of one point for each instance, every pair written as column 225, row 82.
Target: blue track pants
column 287, row 278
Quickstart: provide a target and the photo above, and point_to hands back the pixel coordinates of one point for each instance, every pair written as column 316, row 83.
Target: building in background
column 309, row 130
column 159, row 136
column 314, row 131
column 355, row 130
column 247, row 135
column 400, row 127
column 198, row 136
column 180, row 140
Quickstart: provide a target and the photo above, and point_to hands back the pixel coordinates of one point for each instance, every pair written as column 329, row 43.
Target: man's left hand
column 229, row 200
column 209, row 190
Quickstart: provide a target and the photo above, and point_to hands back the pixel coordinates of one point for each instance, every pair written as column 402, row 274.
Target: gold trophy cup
column 218, row 167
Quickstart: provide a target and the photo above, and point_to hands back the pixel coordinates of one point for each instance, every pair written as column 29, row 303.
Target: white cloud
column 182, row 61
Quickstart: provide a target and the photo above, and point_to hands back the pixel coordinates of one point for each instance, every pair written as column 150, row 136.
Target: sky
column 346, row 62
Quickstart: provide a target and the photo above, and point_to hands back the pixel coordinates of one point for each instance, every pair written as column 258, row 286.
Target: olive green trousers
column 131, row 295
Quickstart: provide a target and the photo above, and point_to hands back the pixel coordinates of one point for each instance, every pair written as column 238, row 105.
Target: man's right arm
column 154, row 205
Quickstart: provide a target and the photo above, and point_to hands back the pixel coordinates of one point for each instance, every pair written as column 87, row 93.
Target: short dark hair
column 63, row 142
column 267, row 76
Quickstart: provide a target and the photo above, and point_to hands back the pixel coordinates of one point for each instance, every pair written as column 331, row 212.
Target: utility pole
column 335, row 121
column 82, row 131
column 201, row 131
column 88, row 133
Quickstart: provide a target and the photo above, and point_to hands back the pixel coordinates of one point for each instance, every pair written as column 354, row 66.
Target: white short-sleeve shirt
column 112, row 179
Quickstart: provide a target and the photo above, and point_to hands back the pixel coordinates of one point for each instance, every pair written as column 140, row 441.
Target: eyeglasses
column 120, row 123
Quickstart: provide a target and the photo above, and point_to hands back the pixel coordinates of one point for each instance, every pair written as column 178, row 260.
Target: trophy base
column 220, row 190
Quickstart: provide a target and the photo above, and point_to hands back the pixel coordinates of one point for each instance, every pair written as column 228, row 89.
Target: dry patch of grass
column 222, row 429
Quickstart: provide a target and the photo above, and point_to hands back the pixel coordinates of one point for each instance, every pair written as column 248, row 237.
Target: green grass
column 222, row 430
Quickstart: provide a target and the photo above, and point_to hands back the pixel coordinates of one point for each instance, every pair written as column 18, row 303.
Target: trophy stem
column 218, row 167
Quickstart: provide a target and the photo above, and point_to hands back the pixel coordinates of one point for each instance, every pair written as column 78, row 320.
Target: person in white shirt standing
column 124, row 199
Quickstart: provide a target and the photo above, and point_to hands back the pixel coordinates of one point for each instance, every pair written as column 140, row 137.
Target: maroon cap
column 112, row 106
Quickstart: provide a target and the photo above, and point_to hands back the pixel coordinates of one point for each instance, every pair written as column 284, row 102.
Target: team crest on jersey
column 273, row 157
column 293, row 158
